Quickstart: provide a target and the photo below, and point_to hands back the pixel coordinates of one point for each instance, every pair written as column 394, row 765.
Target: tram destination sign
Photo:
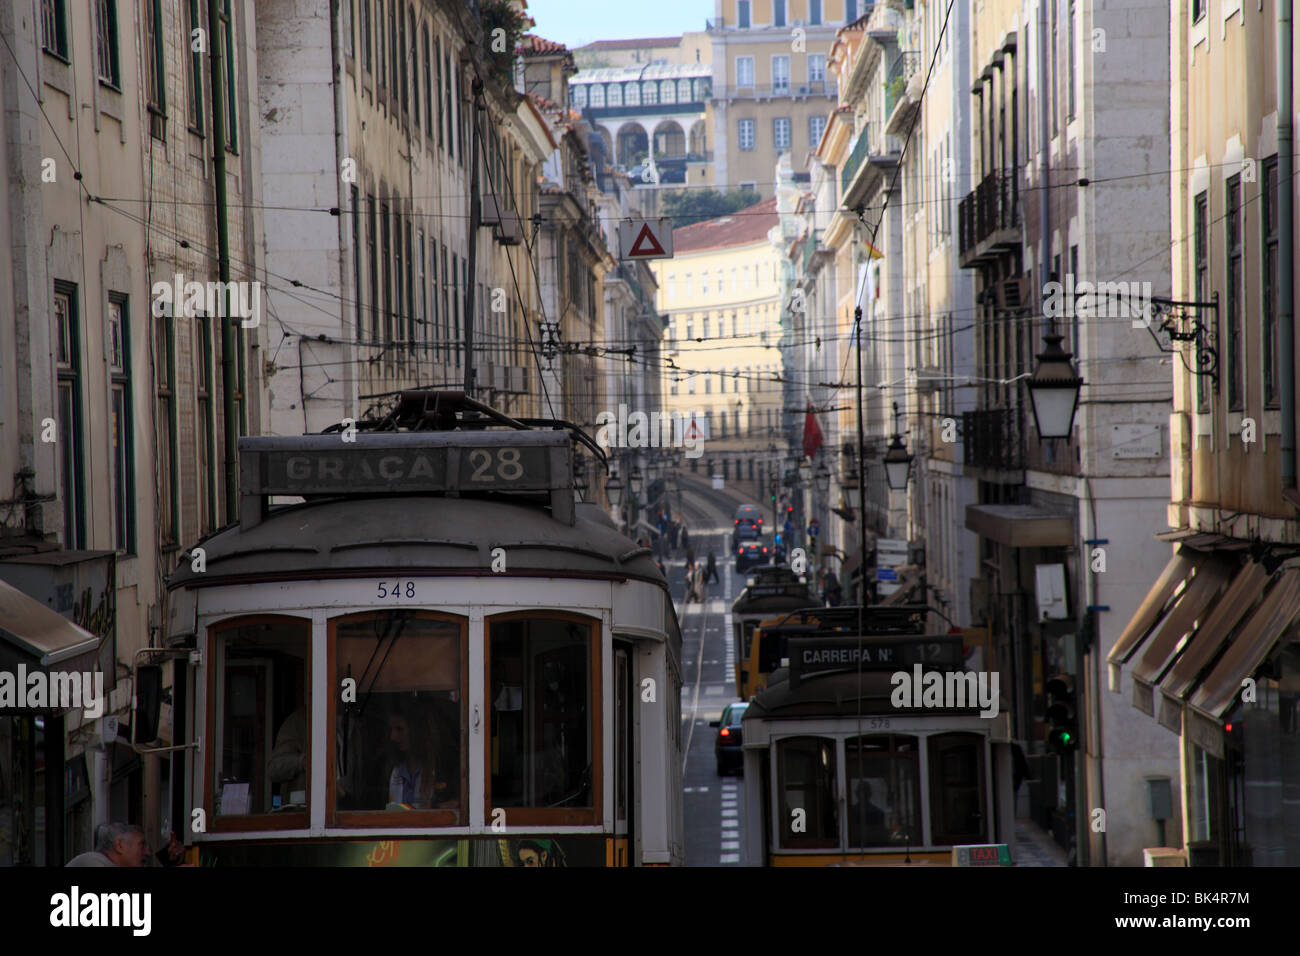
column 405, row 463
column 813, row 655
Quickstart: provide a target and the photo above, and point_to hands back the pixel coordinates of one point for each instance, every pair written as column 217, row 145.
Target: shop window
column 807, row 817
column 261, row 757
column 543, row 742
column 399, row 746
column 884, row 791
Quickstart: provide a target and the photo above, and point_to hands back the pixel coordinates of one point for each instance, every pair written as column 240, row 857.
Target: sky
column 575, row 22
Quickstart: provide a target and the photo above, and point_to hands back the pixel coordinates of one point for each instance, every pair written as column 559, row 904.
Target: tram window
column 771, row 649
column 957, row 788
column 884, row 791
column 262, row 699
column 399, row 746
column 541, row 700
column 806, row 782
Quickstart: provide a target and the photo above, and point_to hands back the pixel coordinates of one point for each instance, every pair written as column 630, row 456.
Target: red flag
column 812, row 434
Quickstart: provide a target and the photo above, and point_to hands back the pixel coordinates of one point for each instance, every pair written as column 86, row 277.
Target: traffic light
column 1062, row 719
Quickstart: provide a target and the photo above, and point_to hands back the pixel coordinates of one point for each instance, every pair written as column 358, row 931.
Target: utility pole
column 475, row 214
column 229, row 375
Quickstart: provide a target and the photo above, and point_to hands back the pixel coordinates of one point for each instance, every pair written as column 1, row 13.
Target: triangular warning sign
column 692, row 431
column 646, row 244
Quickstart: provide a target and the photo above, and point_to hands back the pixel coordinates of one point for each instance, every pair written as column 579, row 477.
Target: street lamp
column 897, row 461
column 1054, row 390
column 614, row 491
column 823, row 480
column 634, row 482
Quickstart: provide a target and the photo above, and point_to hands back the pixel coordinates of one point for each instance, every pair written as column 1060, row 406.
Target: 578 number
column 396, row 591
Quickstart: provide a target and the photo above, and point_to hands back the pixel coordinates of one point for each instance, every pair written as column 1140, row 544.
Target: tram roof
column 425, row 534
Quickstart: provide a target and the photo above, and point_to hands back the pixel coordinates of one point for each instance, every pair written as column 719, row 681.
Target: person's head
column 410, row 733
column 122, row 843
column 534, row 853
column 399, row 732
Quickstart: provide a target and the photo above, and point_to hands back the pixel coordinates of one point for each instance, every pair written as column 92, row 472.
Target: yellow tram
column 438, row 657
column 841, row 767
column 772, row 590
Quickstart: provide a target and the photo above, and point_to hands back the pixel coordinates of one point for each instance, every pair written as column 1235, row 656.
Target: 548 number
column 396, row 591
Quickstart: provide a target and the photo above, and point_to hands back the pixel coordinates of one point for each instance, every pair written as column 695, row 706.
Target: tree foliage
column 500, row 15
column 687, row 206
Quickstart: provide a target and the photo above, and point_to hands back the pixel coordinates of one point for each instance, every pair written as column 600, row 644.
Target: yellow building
column 771, row 90
column 721, row 294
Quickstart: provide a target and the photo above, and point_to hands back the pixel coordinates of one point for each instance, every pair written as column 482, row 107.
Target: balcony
column 751, row 91
column 903, row 68
column 989, row 219
column 856, row 156
column 992, row 439
column 871, row 158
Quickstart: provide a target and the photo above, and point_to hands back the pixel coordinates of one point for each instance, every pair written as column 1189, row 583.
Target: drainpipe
column 1285, row 243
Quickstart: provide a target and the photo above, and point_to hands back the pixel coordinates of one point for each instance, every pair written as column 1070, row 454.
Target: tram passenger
column 866, row 820
column 288, row 765
column 412, row 782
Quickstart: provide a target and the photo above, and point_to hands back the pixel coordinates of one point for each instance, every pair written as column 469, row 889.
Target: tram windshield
column 884, row 791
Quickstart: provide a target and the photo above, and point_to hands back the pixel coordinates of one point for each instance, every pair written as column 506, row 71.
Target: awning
column 1210, row 579
column 1021, row 526
column 1271, row 620
column 34, row 635
column 1213, row 633
column 1150, row 611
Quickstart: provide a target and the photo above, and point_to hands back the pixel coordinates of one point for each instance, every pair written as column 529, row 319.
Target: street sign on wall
column 645, row 238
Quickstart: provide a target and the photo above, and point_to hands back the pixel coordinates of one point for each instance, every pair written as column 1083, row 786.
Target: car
column 749, row 515
column 726, row 746
column 749, row 552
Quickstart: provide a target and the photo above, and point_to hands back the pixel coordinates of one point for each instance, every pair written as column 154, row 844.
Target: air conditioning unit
column 489, row 210
column 509, row 231
column 1013, row 294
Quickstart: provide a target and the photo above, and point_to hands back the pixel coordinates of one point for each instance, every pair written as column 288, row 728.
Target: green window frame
column 71, row 414
column 121, row 424
column 195, row 21
column 54, row 28
column 107, row 65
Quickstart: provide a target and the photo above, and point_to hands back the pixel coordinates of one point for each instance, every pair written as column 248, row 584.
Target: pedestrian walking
column 686, row 540
column 690, row 556
column 711, row 568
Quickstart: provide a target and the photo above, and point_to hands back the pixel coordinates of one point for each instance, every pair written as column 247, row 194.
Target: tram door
column 624, row 789
column 957, row 786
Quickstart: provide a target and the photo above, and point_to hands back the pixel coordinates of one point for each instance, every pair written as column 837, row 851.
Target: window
column 742, row 14
column 1232, row 235
column 205, row 440
column 1201, row 280
column 155, row 71
column 683, row 91
column 444, row 105
column 815, row 12
column 690, row 330
column 850, row 10
column 261, row 690
column 616, row 94
column 400, row 57
column 121, row 447
column 422, row 299
column 434, row 273
column 544, row 746
column 380, row 73
column 164, row 364
column 778, row 13
column 423, row 54
column 958, row 813
column 746, row 134
column 1198, row 9
column 365, row 35
column 72, row 488
column 650, row 93
column 355, row 205
column 816, row 127
column 194, row 24
column 690, row 384
column 816, row 67
column 400, row 747
column 579, row 96
column 781, row 73
column 781, row 132
column 1269, row 274
column 386, row 237
column 672, row 286
column 372, row 255
column 406, row 274
column 106, row 64
column 667, row 92
column 1070, row 60
column 884, row 783
column 348, row 40
column 708, row 385
column 634, row 94
column 232, row 85
column 598, row 95
column 720, row 280
column 394, row 53
column 805, row 772
column 744, row 71
column 54, row 27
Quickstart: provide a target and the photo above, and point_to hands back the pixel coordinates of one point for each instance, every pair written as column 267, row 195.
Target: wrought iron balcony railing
column 992, row 439
column 994, row 205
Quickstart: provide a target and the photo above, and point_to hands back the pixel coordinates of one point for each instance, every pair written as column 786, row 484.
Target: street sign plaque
column 645, row 238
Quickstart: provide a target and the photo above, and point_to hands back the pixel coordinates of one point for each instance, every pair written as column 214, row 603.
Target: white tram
column 438, row 657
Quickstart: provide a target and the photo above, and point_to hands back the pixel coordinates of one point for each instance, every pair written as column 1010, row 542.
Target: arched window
column 597, row 95
column 579, row 95
column 683, row 91
column 805, row 780
column 651, row 92
column 615, row 94
column 633, row 94
column 884, row 782
column 667, row 92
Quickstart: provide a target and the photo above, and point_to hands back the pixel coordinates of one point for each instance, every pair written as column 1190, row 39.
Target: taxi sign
column 645, row 238
column 985, row 854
